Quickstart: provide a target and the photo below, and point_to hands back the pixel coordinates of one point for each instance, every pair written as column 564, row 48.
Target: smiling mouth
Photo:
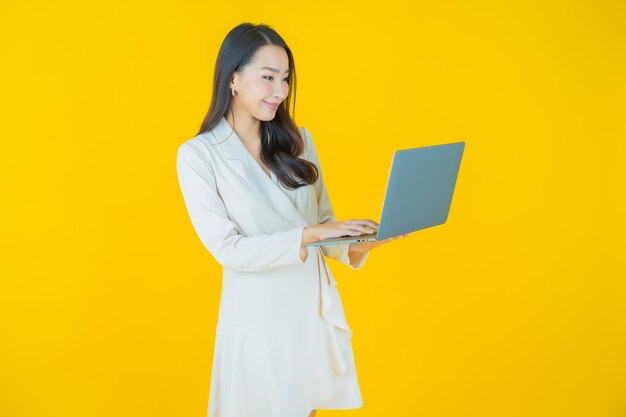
column 272, row 106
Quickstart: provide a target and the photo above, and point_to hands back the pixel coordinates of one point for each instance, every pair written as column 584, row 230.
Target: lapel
column 235, row 154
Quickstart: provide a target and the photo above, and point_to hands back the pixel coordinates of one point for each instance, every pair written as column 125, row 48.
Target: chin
column 266, row 117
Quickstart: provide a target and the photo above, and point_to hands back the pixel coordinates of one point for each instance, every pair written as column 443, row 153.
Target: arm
column 342, row 252
column 218, row 233
column 357, row 258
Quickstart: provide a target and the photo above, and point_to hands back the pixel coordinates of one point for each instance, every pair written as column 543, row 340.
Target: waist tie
column 331, row 310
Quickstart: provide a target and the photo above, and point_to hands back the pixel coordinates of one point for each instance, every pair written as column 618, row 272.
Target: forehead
column 271, row 56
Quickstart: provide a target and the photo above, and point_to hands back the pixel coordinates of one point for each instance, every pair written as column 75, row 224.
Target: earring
column 232, row 90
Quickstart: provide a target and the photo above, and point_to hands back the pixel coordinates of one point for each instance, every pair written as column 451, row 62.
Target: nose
column 280, row 92
column 279, row 96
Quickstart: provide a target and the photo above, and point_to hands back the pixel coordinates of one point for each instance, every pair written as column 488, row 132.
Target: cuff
column 298, row 236
column 360, row 263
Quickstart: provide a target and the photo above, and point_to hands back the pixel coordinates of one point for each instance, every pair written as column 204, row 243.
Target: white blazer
column 253, row 227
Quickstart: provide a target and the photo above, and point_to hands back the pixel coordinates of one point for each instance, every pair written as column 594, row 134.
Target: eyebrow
column 273, row 69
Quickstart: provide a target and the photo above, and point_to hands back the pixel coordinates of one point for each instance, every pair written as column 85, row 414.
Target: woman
column 252, row 184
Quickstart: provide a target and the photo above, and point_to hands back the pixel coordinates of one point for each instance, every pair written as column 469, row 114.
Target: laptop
column 418, row 195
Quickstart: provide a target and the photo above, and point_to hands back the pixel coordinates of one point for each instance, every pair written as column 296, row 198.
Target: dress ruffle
column 331, row 310
column 288, row 365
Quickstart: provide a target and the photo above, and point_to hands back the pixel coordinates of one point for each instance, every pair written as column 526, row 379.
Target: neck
column 246, row 126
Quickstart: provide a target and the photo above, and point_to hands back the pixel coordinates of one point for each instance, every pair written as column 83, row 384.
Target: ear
column 234, row 79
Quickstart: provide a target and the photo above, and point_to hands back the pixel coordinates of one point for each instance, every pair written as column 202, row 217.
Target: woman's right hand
column 351, row 227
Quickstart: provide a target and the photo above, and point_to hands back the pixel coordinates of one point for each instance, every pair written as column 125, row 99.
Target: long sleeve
column 338, row 252
column 218, row 233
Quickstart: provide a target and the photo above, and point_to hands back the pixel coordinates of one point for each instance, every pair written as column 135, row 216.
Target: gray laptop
column 418, row 195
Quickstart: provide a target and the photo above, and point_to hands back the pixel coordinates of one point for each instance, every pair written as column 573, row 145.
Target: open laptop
column 418, row 194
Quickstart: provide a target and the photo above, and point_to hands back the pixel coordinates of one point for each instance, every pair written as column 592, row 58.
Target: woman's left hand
column 367, row 246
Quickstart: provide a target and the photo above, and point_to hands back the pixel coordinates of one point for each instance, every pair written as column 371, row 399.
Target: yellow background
column 514, row 307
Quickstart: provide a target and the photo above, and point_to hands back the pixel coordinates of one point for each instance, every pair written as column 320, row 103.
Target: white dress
column 282, row 342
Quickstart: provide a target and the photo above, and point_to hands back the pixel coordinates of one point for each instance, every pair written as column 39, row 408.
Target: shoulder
column 309, row 147
column 306, row 135
column 188, row 150
column 194, row 152
column 309, row 153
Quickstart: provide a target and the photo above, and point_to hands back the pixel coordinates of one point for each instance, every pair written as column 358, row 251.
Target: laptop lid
column 419, row 192
column 420, row 188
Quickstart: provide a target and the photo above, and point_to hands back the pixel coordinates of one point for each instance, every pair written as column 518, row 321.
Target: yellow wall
column 514, row 307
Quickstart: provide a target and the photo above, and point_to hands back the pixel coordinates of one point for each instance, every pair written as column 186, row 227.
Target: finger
column 364, row 229
column 363, row 222
column 372, row 223
column 356, row 228
column 353, row 231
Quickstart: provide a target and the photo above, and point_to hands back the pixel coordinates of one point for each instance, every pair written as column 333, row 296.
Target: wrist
column 309, row 235
column 355, row 249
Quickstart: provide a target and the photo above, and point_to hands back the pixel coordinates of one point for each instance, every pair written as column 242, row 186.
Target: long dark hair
column 281, row 142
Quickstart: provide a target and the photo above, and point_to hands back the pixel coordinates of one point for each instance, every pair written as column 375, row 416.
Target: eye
column 269, row 76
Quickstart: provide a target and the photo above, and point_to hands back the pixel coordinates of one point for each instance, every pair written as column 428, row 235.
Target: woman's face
column 262, row 86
